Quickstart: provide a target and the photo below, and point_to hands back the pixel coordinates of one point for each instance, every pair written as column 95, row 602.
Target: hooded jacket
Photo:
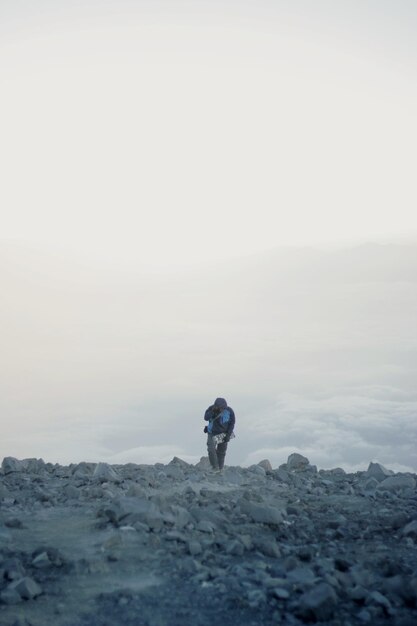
column 220, row 418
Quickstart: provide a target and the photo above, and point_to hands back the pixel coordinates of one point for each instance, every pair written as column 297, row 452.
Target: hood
column 221, row 403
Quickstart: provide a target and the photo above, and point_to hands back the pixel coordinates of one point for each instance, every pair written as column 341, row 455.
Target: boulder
column 10, row 464
column 318, row 603
column 297, row 462
column 34, row 466
column 204, row 463
column 266, row 465
column 83, row 470
column 26, row 587
column 398, row 483
column 261, row 513
column 378, row 471
column 177, row 461
column 257, row 469
column 104, row 473
column 410, row 530
column 131, row 510
column 282, row 475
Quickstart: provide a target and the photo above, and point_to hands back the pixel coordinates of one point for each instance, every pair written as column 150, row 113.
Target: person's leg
column 221, row 453
column 212, row 454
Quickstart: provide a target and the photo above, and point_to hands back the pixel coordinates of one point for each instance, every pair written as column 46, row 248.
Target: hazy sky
column 169, row 133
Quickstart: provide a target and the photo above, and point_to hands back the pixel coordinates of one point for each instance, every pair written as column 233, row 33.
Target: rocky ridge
column 156, row 545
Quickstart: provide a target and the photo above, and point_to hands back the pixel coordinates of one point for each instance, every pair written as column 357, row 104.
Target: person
column 221, row 422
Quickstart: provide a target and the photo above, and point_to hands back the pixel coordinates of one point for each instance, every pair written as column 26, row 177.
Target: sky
column 202, row 199
column 165, row 134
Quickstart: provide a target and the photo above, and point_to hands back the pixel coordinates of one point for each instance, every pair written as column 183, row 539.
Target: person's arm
column 208, row 414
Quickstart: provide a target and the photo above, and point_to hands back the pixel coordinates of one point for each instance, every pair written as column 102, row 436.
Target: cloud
column 346, row 430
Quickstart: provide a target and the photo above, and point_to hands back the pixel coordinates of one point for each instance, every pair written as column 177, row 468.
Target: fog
column 315, row 350
column 188, row 194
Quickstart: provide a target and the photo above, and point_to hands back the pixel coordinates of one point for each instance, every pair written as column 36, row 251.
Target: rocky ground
column 171, row 545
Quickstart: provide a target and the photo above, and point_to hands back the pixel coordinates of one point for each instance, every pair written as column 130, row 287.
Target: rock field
column 171, row 545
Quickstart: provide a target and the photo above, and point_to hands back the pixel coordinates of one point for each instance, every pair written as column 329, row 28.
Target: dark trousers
column 216, row 453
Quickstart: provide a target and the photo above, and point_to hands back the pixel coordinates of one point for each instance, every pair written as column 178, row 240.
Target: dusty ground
column 176, row 545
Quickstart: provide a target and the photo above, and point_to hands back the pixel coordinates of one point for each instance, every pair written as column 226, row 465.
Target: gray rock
column 26, row 587
column 194, row 547
column 13, row 569
column 128, row 510
column 235, row 548
column 203, row 464
column 318, row 603
column 13, row 522
column 365, row 616
column 205, row 526
column 177, row 461
column 399, row 519
column 135, row 491
column 10, row 465
column 398, row 483
column 261, row 513
column 266, row 465
column 370, row 485
column 83, row 470
column 282, row 475
column 4, row 492
column 375, row 597
column 280, row 593
column 42, row 561
column 267, row 546
column 104, row 473
column 297, row 462
column 257, row 469
column 34, row 466
column 10, row 596
column 410, row 530
column 302, row 576
column 378, row 471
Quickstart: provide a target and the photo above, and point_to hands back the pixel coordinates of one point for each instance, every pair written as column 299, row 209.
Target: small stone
column 263, row 514
column 268, row 547
column 10, row 596
column 135, row 490
column 281, row 594
column 194, row 547
column 26, row 587
column 13, row 522
column 13, row 569
column 399, row 520
column 375, row 597
column 318, row 603
column 205, row 527
column 410, row 530
column 41, row 561
column 235, row 548
column 257, row 469
column 365, row 616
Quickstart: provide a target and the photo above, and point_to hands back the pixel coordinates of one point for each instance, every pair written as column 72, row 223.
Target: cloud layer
column 314, row 350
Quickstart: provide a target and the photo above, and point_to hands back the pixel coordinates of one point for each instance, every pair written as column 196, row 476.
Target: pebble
column 326, row 546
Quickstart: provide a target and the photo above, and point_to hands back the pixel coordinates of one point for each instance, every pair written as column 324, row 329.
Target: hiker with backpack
column 221, row 422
